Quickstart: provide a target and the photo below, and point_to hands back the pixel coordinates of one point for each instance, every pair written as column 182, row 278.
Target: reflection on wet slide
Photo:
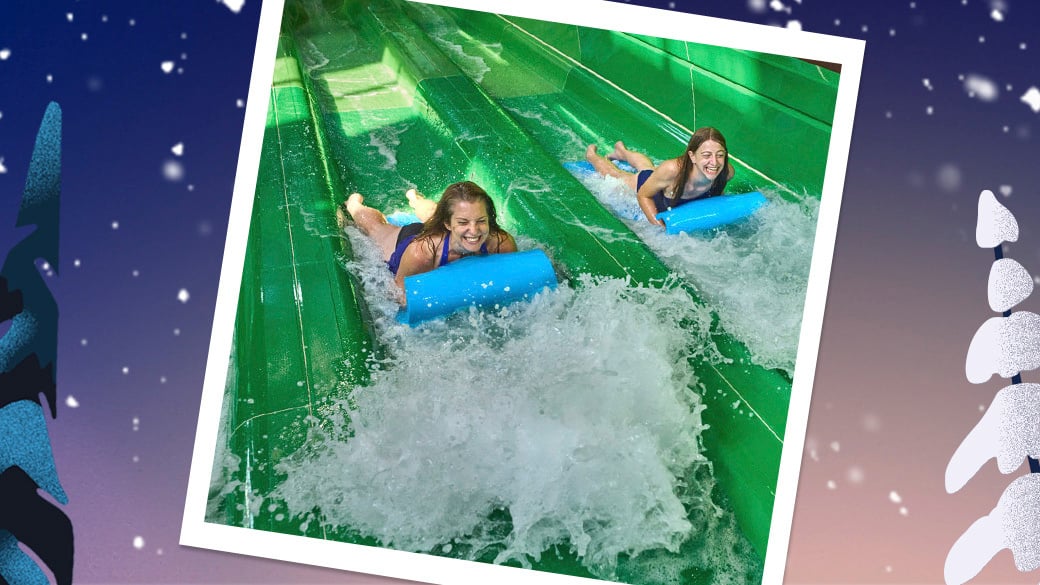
column 626, row 426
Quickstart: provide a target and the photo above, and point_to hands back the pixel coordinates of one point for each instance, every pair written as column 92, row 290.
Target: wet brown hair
column 700, row 136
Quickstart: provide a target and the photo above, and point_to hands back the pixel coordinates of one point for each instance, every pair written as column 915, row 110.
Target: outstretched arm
column 659, row 180
column 418, row 257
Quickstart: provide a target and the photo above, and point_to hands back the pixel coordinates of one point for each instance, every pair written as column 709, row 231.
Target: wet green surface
column 389, row 98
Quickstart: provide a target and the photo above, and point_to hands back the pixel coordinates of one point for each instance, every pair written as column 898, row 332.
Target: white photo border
column 848, row 53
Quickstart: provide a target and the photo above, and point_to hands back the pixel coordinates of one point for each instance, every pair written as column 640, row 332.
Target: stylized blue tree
column 28, row 352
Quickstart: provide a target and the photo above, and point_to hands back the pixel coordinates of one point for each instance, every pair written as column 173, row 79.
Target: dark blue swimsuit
column 660, row 201
column 405, row 237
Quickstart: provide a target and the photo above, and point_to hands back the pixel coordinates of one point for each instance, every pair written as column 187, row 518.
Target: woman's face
column 709, row 158
column 469, row 226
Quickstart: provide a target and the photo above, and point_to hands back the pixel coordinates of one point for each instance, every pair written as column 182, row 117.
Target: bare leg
column 640, row 161
column 424, row 208
column 373, row 223
column 607, row 168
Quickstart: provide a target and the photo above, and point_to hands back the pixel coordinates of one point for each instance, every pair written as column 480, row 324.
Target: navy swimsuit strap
column 444, row 252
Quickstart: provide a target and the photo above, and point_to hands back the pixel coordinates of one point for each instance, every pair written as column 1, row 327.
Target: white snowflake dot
column 4, row 54
column 115, row 225
column 173, row 170
column 138, row 542
column 183, row 295
column 166, row 66
column 894, row 497
column 71, row 402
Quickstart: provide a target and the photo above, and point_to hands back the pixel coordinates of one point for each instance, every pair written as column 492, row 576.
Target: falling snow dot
column 1032, row 98
column 948, row 177
column 184, row 56
column 50, row 78
column 855, row 475
column 4, row 54
column 903, row 511
column 888, row 568
column 240, row 103
column 982, row 407
column 173, row 170
column 83, row 36
column 135, row 459
column 162, row 379
column 1022, row 46
column 894, row 497
column 176, row 331
column 927, row 83
column 997, row 15
column 891, row 32
column 126, row 370
column 184, row 35
column 133, row 22
column 831, row 485
column 888, row 114
column 183, row 296
column 136, row 421
column 1006, row 129
column 835, row 446
column 929, row 110
column 166, row 66
column 115, row 225
column 1005, row 190
column 158, row 551
column 794, row 25
column 180, row 71
column 138, row 542
column 76, row 263
column 864, row 28
column 104, row 18
column 71, row 402
column 757, row 6
column 3, row 169
column 135, row 273
column 83, row 342
column 178, row 149
column 234, row 5
column 68, row 16
column 982, row 39
column 981, row 87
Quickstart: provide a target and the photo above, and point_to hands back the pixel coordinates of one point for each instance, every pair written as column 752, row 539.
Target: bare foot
column 620, row 152
column 591, row 155
column 355, row 202
column 424, row 208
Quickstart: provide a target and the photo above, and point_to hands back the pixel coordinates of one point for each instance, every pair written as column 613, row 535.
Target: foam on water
column 755, row 273
column 497, row 434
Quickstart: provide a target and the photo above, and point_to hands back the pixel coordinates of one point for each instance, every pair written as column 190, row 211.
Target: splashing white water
column 495, row 435
column 755, row 274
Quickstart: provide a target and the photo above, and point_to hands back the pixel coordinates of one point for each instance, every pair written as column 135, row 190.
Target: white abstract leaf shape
column 979, row 543
column 1009, row 284
column 1009, row 431
column 996, row 225
column 1013, row 524
column 1004, row 346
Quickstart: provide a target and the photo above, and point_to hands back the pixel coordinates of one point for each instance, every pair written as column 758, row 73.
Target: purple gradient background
column 908, row 287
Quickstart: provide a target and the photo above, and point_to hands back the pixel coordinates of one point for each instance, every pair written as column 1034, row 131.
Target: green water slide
column 380, row 96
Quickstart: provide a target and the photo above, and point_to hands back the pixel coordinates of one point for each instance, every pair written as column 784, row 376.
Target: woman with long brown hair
column 462, row 223
column 702, row 170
